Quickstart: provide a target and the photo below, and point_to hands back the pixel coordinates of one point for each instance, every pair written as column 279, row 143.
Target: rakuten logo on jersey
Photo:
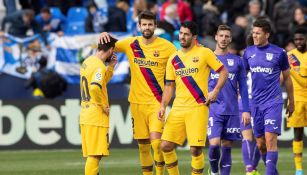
column 260, row 69
column 231, row 76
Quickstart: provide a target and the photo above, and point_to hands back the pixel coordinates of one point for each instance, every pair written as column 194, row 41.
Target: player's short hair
column 106, row 46
column 191, row 26
column 254, row 2
column 223, row 27
column 264, row 24
column 300, row 31
column 147, row 15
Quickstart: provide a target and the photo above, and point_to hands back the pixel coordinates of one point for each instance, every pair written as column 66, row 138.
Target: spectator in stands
column 138, row 7
column 153, row 8
column 10, row 6
column 124, row 5
column 183, row 9
column 171, row 20
column 238, row 33
column 96, row 20
column 283, row 16
column 32, row 56
column 299, row 20
column 35, row 5
column 20, row 22
column 50, row 23
column 117, row 20
column 254, row 9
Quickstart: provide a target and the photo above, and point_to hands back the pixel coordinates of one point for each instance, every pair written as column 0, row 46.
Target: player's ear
column 267, row 35
column 215, row 37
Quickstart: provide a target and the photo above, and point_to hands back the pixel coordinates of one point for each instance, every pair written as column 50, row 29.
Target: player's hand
column 113, row 61
column 107, row 110
column 104, row 37
column 161, row 114
column 290, row 109
column 246, row 118
column 211, row 97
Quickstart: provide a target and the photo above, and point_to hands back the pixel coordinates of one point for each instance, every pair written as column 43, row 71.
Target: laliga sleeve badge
column 98, row 76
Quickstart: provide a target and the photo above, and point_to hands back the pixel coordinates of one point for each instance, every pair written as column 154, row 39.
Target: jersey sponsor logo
column 144, row 63
column 186, row 71
column 230, row 62
column 98, row 76
column 231, row 76
column 260, row 69
column 269, row 122
column 233, row 130
column 269, row 56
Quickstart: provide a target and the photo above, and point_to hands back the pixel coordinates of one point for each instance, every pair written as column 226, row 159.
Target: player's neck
column 184, row 50
column 148, row 41
column 263, row 44
column 220, row 51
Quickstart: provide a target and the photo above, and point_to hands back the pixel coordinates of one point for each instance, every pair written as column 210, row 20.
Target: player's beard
column 109, row 58
column 302, row 48
column 187, row 44
column 148, row 35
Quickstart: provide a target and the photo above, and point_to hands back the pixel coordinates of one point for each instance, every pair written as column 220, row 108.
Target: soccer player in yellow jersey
column 298, row 72
column 188, row 71
column 148, row 55
column 94, row 114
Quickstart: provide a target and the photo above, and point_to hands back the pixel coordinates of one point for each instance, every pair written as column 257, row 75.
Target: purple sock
column 225, row 164
column 264, row 158
column 271, row 162
column 247, row 149
column 214, row 158
column 255, row 156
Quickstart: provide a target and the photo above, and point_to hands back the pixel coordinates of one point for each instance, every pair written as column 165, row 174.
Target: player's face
column 147, row 27
column 260, row 37
column 109, row 54
column 185, row 37
column 300, row 41
column 223, row 39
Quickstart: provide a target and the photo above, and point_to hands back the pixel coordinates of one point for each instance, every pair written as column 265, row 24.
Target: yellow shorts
column 299, row 116
column 95, row 140
column 145, row 120
column 187, row 122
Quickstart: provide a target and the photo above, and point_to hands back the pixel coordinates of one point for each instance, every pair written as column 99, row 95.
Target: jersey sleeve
column 245, row 61
column 284, row 63
column 170, row 71
column 243, row 86
column 213, row 62
column 109, row 74
column 122, row 45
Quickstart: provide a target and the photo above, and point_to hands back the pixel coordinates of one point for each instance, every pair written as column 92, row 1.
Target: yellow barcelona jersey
column 147, row 67
column 300, row 66
column 94, row 77
column 190, row 71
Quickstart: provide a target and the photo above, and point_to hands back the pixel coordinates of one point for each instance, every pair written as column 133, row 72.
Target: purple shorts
column 267, row 118
column 227, row 127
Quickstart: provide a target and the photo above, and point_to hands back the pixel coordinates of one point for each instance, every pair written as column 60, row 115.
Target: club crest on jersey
column 156, row 53
column 230, row 62
column 195, row 59
column 269, row 56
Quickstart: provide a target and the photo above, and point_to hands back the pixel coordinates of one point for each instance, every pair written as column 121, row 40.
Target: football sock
column 198, row 163
column 171, row 162
column 91, row 166
column 146, row 158
column 158, row 156
column 214, row 158
column 226, row 161
column 298, row 153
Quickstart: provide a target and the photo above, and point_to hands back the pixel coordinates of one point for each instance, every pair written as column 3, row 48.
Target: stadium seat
column 77, row 14
column 75, row 28
column 55, row 11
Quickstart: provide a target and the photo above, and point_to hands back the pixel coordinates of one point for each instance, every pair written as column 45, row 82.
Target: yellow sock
column 298, row 154
column 171, row 162
column 198, row 164
column 91, row 166
column 146, row 158
column 158, row 156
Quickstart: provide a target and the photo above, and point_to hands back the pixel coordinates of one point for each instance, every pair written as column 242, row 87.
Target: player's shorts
column 299, row 116
column 227, row 127
column 95, row 140
column 242, row 126
column 187, row 122
column 267, row 118
column 145, row 120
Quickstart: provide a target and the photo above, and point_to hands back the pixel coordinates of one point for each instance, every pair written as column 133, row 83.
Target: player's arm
column 302, row 81
column 166, row 97
column 120, row 45
column 289, row 88
column 245, row 62
column 243, row 89
column 110, row 68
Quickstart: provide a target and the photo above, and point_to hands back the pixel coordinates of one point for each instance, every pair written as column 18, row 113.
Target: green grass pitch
column 121, row 162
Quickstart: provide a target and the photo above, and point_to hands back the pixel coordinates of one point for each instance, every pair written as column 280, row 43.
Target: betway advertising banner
column 46, row 124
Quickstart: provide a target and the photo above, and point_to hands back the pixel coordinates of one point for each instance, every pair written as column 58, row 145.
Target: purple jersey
column 266, row 64
column 227, row 100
